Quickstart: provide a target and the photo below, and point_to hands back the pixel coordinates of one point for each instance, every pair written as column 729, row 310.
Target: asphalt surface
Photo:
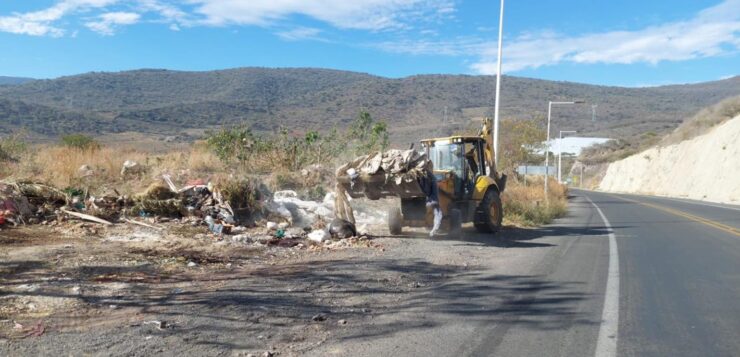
column 674, row 292
column 680, row 275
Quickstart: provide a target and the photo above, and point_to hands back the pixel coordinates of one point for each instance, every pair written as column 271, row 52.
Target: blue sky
column 625, row 43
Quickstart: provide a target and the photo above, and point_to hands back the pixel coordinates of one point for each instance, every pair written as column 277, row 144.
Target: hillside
column 13, row 80
column 45, row 120
column 163, row 102
column 704, row 168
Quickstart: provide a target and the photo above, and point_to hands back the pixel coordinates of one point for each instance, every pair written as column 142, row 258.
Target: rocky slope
column 706, row 167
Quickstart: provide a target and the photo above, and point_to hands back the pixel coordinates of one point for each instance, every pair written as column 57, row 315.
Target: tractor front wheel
column 490, row 213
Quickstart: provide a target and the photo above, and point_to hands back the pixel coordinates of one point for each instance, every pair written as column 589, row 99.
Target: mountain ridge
column 160, row 101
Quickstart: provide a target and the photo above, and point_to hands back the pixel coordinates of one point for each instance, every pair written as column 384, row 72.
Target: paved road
column 680, row 275
column 620, row 275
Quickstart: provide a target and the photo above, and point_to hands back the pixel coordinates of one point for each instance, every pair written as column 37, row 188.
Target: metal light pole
column 498, row 84
column 547, row 153
column 560, row 153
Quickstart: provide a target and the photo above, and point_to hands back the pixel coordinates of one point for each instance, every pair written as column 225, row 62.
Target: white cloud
column 107, row 22
column 170, row 14
column 41, row 23
column 344, row 14
column 712, row 32
column 460, row 46
column 371, row 15
column 301, row 33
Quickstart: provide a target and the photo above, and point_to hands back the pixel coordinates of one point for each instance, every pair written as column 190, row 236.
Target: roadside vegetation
column 524, row 197
column 525, row 203
column 704, row 120
column 237, row 156
column 303, row 161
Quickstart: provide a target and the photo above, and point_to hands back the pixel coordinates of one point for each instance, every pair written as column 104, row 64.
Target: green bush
column 230, row 145
column 80, row 141
column 242, row 194
column 291, row 151
column 12, row 146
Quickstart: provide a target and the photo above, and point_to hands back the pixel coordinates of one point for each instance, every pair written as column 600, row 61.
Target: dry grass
column 704, row 120
column 525, row 204
column 60, row 166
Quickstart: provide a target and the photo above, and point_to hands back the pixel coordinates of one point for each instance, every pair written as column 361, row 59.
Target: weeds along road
column 619, row 275
column 670, row 288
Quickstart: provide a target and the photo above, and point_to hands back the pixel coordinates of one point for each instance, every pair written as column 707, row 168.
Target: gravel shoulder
column 79, row 294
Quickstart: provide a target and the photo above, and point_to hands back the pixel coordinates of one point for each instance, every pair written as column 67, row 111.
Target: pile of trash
column 393, row 173
column 396, row 165
column 284, row 214
column 33, row 203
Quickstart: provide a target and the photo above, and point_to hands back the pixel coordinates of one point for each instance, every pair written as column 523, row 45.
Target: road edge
column 606, row 345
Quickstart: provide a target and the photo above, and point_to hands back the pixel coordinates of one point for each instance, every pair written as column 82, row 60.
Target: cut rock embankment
column 706, row 167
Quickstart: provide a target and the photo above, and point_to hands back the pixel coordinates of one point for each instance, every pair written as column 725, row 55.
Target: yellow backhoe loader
column 468, row 186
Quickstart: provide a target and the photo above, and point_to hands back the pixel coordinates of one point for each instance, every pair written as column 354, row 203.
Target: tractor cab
column 458, row 163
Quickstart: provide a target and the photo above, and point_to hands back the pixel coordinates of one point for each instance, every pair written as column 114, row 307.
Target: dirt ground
column 135, row 291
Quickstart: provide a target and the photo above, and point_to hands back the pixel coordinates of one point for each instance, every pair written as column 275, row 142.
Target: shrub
column 291, row 151
column 526, row 204
column 80, row 141
column 12, row 146
column 243, row 195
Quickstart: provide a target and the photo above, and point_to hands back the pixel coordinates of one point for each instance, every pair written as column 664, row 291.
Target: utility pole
column 498, row 84
column 560, row 153
column 547, row 143
column 581, row 181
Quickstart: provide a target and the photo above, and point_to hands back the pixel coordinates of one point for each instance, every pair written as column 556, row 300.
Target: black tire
column 395, row 220
column 490, row 213
column 455, row 222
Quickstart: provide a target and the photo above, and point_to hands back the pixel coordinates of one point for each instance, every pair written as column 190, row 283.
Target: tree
column 368, row 134
column 521, row 140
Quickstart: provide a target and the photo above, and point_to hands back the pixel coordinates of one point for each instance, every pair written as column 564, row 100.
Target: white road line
column 606, row 345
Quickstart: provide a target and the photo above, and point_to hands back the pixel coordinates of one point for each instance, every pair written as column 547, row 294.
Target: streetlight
column 547, row 153
column 560, row 153
column 498, row 85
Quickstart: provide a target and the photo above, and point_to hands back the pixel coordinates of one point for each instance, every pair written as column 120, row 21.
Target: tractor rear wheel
column 490, row 213
column 395, row 220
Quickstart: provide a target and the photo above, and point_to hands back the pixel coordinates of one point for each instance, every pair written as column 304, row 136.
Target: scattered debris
column 318, row 235
column 131, row 167
column 161, row 325
column 339, row 229
column 85, row 171
column 36, row 331
column 142, row 224
column 86, row 217
column 318, row 317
